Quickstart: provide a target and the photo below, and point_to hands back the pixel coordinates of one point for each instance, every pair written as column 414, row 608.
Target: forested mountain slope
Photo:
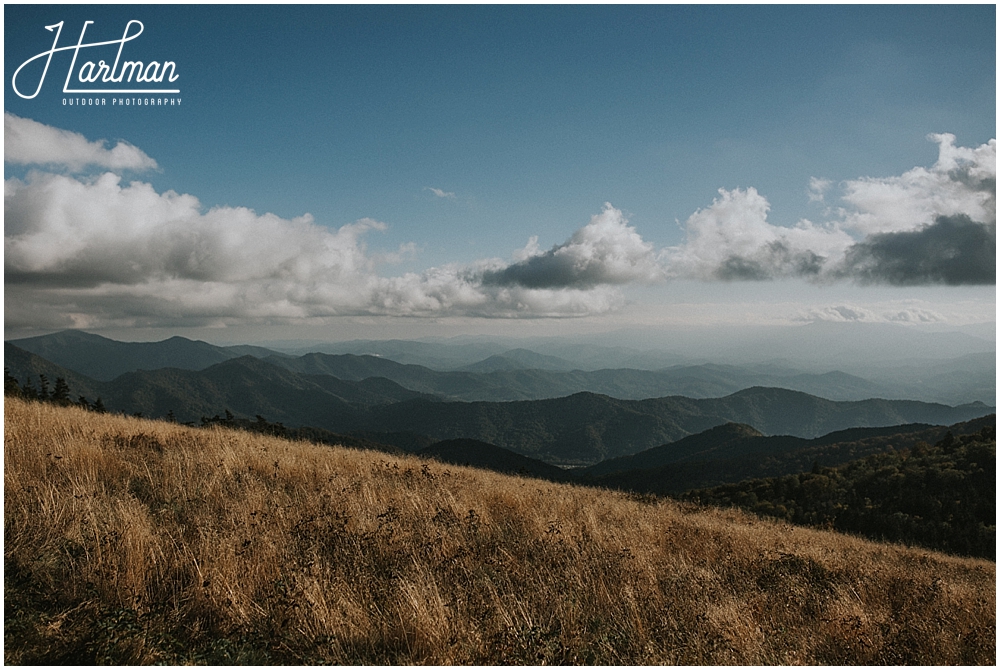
column 941, row 496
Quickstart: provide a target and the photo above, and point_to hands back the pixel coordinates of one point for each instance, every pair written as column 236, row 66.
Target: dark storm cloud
column 953, row 250
column 548, row 271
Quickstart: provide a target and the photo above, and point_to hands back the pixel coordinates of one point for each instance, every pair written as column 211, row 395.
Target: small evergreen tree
column 60, row 394
column 28, row 391
column 10, row 385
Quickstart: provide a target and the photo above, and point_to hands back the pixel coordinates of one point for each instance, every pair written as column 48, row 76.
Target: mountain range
column 725, row 454
column 579, row 429
column 820, row 346
column 104, row 359
column 522, row 374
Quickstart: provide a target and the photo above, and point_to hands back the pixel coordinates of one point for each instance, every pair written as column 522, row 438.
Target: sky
column 409, row 171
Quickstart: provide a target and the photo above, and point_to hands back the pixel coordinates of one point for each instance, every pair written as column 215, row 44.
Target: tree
column 10, row 385
column 28, row 391
column 60, row 394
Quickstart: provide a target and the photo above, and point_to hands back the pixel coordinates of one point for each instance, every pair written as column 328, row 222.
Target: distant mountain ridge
column 246, row 386
column 522, row 374
column 698, row 381
column 814, row 347
column 699, row 460
column 520, row 359
column 725, row 454
column 105, row 359
column 579, row 429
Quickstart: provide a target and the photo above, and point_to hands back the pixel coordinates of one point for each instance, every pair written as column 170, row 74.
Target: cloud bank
column 97, row 251
column 27, row 142
column 856, row 314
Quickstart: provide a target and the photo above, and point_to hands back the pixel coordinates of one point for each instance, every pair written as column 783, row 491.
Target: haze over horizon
column 340, row 173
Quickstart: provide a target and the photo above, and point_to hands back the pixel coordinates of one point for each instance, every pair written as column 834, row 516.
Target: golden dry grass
column 134, row 541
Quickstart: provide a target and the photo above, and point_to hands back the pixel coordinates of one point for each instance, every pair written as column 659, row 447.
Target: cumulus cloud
column 440, row 194
column 28, row 142
column 90, row 252
column 962, row 181
column 97, row 251
column 605, row 251
column 106, row 245
column 927, row 226
column 733, row 240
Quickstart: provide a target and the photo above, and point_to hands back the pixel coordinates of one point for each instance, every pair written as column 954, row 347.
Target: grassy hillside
column 133, row 541
column 490, row 457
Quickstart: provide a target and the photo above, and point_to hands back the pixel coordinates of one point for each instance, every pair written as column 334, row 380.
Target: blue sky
column 458, row 134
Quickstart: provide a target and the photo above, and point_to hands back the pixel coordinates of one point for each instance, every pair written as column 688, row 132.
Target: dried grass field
column 131, row 541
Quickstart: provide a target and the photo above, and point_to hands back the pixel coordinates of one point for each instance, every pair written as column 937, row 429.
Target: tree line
column 58, row 395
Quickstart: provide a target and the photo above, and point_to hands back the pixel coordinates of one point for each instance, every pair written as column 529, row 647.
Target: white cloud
column 92, row 252
column 107, row 247
column 817, row 188
column 856, row 314
column 841, row 313
column 732, row 239
column 927, row 226
column 605, row 251
column 27, row 142
column 439, row 193
column 962, row 181
column 915, row 316
column 96, row 251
